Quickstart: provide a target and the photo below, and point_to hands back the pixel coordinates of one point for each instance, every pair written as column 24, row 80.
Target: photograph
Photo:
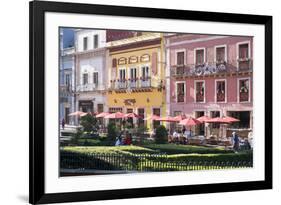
column 133, row 101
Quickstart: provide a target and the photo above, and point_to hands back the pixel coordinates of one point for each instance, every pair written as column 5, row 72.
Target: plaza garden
column 120, row 148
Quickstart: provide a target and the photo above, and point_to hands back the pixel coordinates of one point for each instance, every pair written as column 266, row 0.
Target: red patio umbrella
column 190, row 122
column 132, row 115
column 102, row 114
column 230, row 119
column 117, row 115
column 167, row 119
column 78, row 113
column 179, row 117
column 153, row 117
column 203, row 118
column 218, row 120
column 222, row 120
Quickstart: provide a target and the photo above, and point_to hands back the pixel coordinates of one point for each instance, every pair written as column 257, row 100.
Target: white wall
column 80, row 34
column 14, row 102
column 91, row 65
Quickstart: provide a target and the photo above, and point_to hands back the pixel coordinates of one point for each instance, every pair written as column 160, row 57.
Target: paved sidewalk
column 79, row 172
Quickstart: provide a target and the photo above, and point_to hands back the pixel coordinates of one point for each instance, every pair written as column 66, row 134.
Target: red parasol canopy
column 153, row 117
column 180, row 117
column 189, row 122
column 218, row 120
column 167, row 119
column 102, row 114
column 132, row 115
column 230, row 119
column 78, row 113
column 116, row 115
column 203, row 118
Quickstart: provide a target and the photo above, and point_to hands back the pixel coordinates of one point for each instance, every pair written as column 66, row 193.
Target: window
column 133, row 74
column 199, row 56
column 130, row 120
column 244, row 90
column 243, row 116
column 145, row 73
column 220, row 91
column 180, row 92
column 180, row 63
column 96, row 41
column 220, row 54
column 244, row 51
column 100, row 108
column 85, row 78
column 133, row 78
column 67, row 82
column 122, row 78
column 66, row 115
column 156, row 111
column 85, row 43
column 96, row 78
column 180, row 58
column 243, row 55
column 200, row 91
column 122, row 75
column 140, row 120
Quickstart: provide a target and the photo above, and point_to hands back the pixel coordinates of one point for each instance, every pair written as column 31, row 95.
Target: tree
column 161, row 135
column 111, row 132
column 89, row 123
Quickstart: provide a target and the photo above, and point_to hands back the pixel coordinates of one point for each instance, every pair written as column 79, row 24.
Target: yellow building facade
column 136, row 78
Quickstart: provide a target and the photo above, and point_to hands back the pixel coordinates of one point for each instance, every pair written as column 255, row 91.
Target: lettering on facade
column 129, row 102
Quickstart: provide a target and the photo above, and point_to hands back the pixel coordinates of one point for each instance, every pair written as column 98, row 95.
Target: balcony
column 244, row 96
column 88, row 87
column 65, row 90
column 180, row 98
column 136, row 83
column 199, row 97
column 212, row 68
column 220, row 97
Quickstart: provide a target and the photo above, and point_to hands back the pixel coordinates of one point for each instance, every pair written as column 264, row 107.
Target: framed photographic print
column 130, row 102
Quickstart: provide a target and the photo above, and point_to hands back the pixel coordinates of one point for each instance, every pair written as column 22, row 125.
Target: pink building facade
column 210, row 75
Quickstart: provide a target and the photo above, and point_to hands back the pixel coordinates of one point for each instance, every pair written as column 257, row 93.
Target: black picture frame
column 37, row 10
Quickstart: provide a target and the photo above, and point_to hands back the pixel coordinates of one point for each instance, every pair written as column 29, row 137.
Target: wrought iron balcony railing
column 88, row 87
column 212, row 68
column 133, row 83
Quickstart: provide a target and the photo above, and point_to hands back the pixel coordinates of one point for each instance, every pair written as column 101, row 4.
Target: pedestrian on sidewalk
column 62, row 123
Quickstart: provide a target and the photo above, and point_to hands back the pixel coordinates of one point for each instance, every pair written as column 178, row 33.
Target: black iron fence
column 142, row 162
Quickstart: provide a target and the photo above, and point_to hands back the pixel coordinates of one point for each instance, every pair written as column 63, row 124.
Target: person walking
column 235, row 141
column 62, row 123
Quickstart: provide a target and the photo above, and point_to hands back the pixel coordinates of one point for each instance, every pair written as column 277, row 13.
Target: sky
column 68, row 37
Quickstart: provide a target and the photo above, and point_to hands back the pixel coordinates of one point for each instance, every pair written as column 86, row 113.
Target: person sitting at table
column 186, row 133
column 175, row 136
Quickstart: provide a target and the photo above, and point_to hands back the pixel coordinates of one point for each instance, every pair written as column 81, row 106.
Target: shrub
column 161, row 135
column 185, row 149
column 111, row 132
column 76, row 136
column 89, row 123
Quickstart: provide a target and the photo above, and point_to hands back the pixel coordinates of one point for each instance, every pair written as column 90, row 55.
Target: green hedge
column 185, row 149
